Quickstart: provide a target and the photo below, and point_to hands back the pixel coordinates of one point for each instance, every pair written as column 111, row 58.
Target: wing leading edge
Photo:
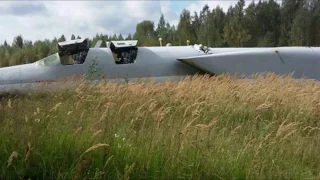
column 302, row 61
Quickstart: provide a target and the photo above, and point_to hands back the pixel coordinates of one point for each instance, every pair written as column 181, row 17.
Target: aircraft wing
column 303, row 61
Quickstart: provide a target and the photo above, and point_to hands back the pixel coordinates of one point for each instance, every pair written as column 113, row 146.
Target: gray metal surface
column 301, row 61
column 156, row 62
column 167, row 62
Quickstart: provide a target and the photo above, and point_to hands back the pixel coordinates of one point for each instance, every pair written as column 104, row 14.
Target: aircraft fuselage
column 159, row 63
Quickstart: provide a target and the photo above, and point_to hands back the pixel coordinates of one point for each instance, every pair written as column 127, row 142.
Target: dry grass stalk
column 89, row 150
column 127, row 171
column 83, row 165
column 284, row 128
column 76, row 131
column 107, row 162
column 264, row 106
column 28, row 151
column 69, row 113
column 14, row 154
column 96, row 133
column 26, row 119
column 9, row 104
column 95, row 147
column 55, row 107
column 196, row 99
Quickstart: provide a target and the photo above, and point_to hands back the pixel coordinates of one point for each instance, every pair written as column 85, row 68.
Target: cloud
column 22, row 8
column 39, row 20
column 49, row 19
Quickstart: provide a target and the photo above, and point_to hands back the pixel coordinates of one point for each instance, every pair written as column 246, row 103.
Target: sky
column 39, row 20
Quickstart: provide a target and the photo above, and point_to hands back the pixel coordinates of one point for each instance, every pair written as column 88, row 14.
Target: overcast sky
column 48, row 19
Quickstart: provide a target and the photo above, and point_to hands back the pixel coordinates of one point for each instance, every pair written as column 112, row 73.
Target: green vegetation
column 200, row 128
column 263, row 23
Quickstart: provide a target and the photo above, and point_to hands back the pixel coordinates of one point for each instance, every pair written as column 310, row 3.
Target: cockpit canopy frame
column 124, row 52
column 123, row 44
column 73, row 46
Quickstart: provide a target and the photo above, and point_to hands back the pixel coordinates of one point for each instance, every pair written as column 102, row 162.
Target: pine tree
column 145, row 34
column 235, row 32
column 301, row 27
column 184, row 30
column 120, row 37
column 62, row 38
column 18, row 41
column 161, row 30
column 129, row 37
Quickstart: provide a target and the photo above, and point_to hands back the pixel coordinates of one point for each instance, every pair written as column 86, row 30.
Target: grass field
column 200, row 128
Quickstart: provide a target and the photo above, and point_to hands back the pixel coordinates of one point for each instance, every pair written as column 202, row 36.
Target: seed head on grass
column 9, row 104
column 95, row 147
column 76, row 131
column 263, row 128
column 13, row 155
column 96, row 133
column 29, row 149
column 55, row 107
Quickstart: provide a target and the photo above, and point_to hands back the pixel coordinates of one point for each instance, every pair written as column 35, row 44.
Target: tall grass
column 200, row 128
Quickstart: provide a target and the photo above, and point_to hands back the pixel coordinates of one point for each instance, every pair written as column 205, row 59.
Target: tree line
column 261, row 24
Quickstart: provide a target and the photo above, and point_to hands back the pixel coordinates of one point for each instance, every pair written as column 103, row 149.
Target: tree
column 18, row 41
column 114, row 37
column 106, row 37
column 185, row 29
column 218, row 24
column 253, row 24
column 62, row 38
column 120, row 37
column 288, row 12
column 267, row 23
column 78, row 37
column 235, row 32
column 195, row 25
column 145, row 34
column 73, row 37
column 161, row 30
column 204, row 33
column 172, row 35
column 103, row 43
column 301, row 28
column 129, row 37
column 262, row 23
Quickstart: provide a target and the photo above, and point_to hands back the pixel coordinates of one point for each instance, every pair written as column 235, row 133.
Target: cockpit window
column 50, row 60
column 70, row 53
column 124, row 52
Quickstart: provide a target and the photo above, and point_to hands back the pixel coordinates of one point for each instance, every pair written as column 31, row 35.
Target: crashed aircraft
column 124, row 61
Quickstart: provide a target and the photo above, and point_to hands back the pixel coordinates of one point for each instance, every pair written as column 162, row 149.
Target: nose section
column 18, row 74
column 10, row 75
column 18, row 78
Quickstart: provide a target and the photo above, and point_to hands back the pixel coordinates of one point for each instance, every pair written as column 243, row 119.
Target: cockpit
column 124, row 52
column 69, row 53
column 74, row 51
